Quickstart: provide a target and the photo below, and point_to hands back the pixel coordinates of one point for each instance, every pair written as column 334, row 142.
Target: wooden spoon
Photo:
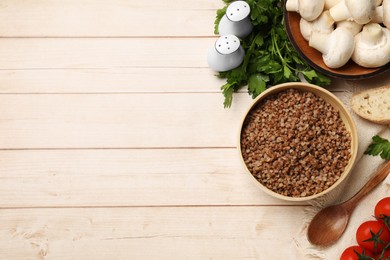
column 329, row 224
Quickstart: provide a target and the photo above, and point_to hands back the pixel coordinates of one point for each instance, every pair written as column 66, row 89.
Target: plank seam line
column 114, row 37
column 132, row 93
column 117, row 148
column 157, row 206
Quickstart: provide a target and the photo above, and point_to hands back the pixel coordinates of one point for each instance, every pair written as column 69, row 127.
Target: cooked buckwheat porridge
column 295, row 143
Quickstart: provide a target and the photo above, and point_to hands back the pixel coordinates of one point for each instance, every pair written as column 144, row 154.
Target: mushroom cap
column 378, row 2
column 323, row 24
column 386, row 13
column 372, row 46
column 330, row 3
column 378, row 15
column 311, row 9
column 305, row 28
column 361, row 12
column 340, row 49
column 354, row 27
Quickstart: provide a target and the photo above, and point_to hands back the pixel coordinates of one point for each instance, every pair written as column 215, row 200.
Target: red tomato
column 373, row 235
column 385, row 256
column 355, row 253
column 382, row 208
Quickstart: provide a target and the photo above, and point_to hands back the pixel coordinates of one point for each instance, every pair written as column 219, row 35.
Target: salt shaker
column 236, row 21
column 226, row 54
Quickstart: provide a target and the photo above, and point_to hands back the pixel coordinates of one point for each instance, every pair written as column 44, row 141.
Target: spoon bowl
column 330, row 223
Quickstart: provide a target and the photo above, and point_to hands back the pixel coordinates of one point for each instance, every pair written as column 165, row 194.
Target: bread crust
column 361, row 108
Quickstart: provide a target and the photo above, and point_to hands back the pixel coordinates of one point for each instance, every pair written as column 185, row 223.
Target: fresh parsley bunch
column 270, row 58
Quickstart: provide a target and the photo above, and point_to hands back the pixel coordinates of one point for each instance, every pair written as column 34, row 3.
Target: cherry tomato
column 385, row 256
column 382, row 208
column 373, row 235
column 355, row 253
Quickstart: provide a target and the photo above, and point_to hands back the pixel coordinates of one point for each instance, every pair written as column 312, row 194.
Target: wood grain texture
column 115, row 80
column 109, row 65
column 121, row 81
column 150, row 233
column 117, row 18
column 119, row 121
column 106, row 53
column 173, row 177
column 115, row 143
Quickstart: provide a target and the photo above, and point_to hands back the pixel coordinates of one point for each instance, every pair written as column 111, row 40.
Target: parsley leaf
column 379, row 146
column 220, row 14
column 270, row 58
column 257, row 84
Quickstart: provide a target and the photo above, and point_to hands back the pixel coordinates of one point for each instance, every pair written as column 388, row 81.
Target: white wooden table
column 115, row 143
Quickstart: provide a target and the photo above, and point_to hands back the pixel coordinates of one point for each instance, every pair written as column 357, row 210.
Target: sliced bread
column 373, row 104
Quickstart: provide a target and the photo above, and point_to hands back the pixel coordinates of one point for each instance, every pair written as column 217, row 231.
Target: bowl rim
column 336, row 73
column 347, row 119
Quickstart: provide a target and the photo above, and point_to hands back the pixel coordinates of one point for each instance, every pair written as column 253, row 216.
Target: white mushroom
column 378, row 15
column 336, row 47
column 372, row 46
column 330, row 3
column 386, row 13
column 308, row 9
column 378, row 2
column 361, row 11
column 352, row 26
column 323, row 24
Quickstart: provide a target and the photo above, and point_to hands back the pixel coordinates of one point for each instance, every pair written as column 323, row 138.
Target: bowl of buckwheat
column 297, row 141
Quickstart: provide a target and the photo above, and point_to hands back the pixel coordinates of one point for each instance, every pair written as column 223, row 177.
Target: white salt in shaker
column 236, row 21
column 227, row 53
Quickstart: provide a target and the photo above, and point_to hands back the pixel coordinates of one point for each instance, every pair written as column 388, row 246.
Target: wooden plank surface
column 173, row 177
column 115, row 80
column 124, row 80
column 177, row 120
column 71, row 53
column 115, row 18
column 109, row 65
column 115, row 143
column 150, row 233
column 119, row 121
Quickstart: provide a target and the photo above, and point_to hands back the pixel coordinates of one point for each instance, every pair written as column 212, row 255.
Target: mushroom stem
column 361, row 13
column 324, row 21
column 372, row 34
column 340, row 12
column 336, row 47
column 323, row 24
column 319, row 41
column 292, row 5
column 372, row 46
column 378, row 16
column 378, row 2
column 308, row 9
column 351, row 26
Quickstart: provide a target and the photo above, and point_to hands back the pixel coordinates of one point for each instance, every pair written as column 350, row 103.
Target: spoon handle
column 377, row 178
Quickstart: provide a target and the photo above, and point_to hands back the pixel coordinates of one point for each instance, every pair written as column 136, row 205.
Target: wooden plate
column 314, row 58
